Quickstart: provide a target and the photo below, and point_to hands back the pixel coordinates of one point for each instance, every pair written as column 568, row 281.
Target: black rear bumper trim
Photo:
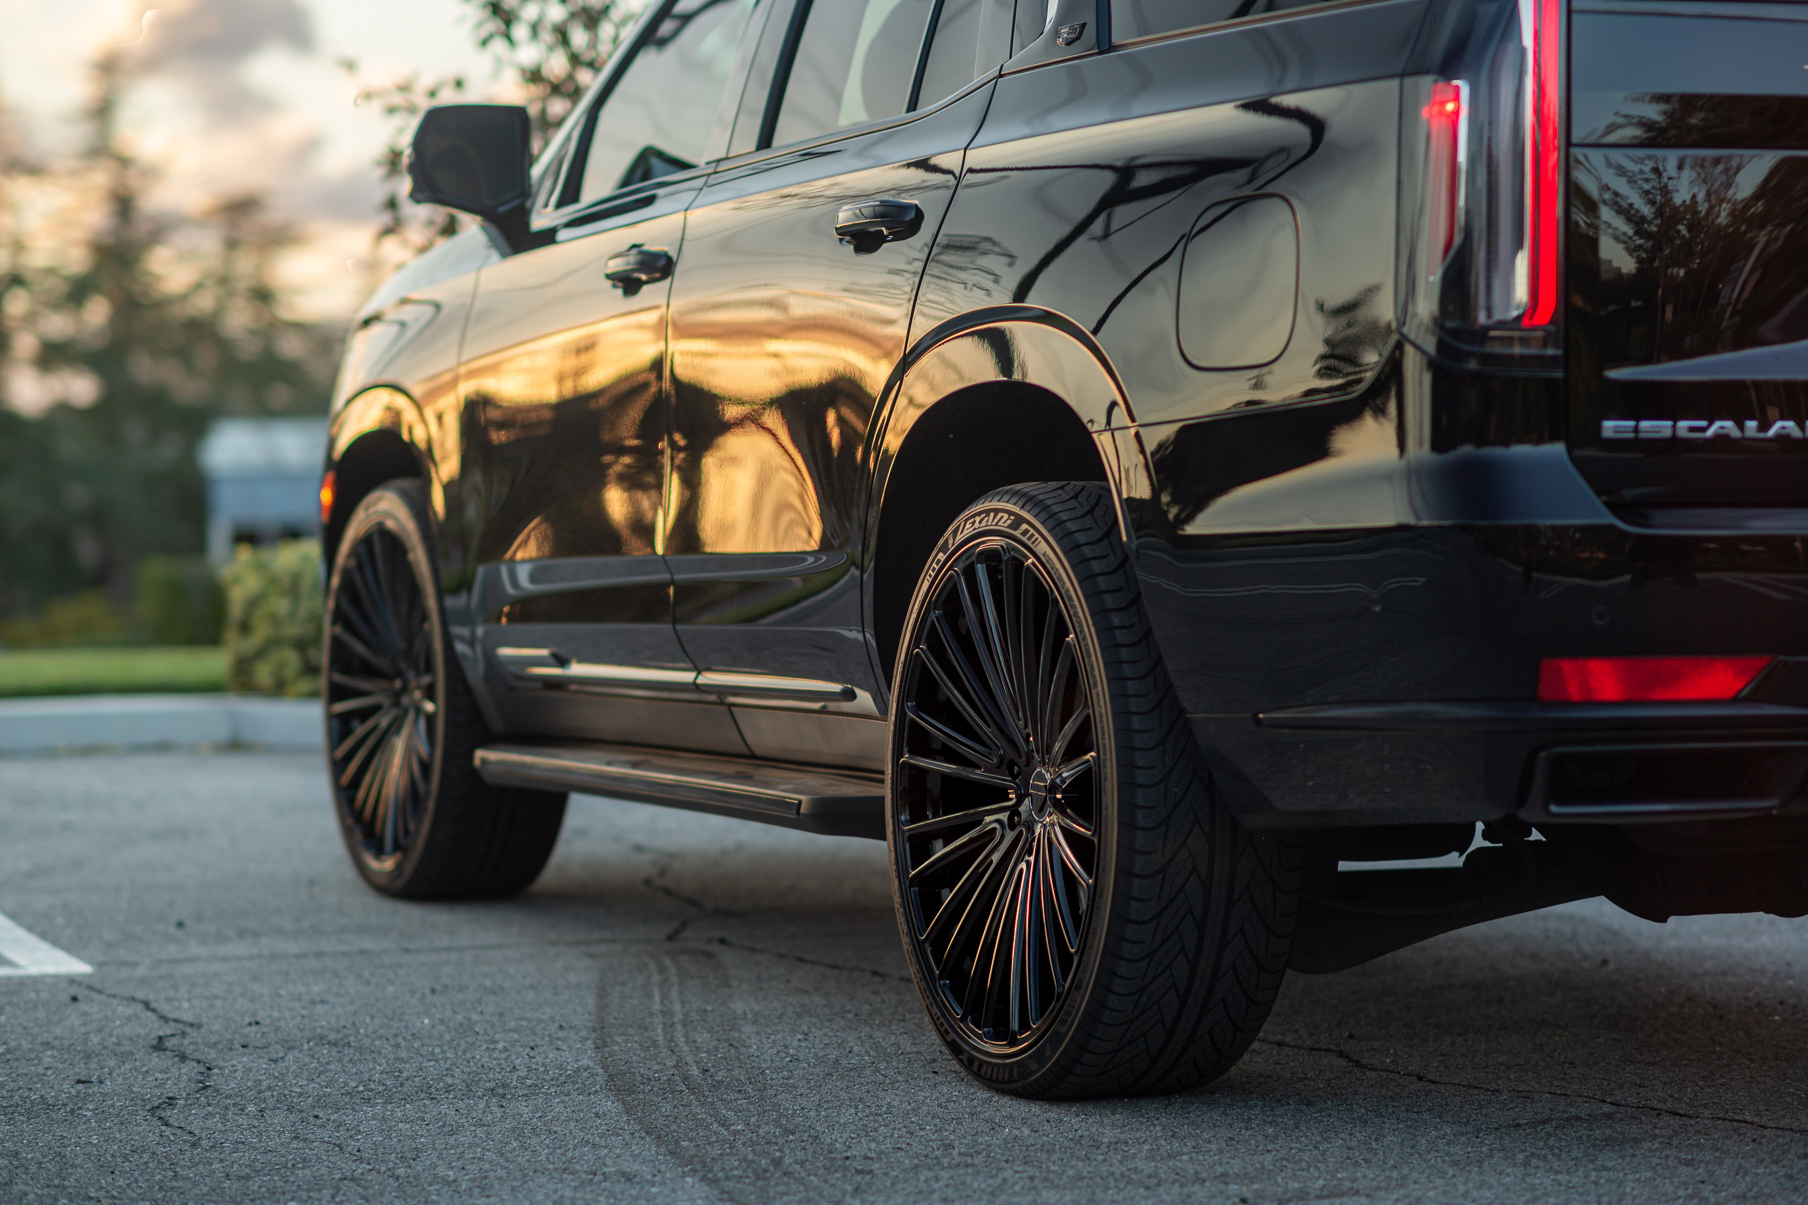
column 1534, row 717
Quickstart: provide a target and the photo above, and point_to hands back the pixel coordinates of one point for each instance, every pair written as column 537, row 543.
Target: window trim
column 781, row 72
column 781, row 80
column 871, row 127
column 1292, row 14
column 923, row 48
column 583, row 119
column 567, row 209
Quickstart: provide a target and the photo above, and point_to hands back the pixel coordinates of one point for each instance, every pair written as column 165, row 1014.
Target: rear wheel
column 1082, row 915
column 402, row 725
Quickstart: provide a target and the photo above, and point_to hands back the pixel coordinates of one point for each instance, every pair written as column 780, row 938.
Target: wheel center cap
column 1037, row 789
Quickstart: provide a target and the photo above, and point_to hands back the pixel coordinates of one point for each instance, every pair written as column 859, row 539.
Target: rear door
column 1688, row 322
column 782, row 339
column 564, row 408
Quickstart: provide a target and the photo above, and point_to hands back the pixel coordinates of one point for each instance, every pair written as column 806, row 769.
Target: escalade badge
column 1697, row 428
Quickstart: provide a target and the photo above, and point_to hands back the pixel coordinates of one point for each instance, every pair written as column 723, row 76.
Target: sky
column 246, row 96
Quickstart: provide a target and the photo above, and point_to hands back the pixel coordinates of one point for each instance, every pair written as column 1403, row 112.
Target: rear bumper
column 1388, row 677
column 1457, row 762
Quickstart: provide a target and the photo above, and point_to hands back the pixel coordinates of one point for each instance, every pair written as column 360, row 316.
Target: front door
column 564, row 407
column 782, row 337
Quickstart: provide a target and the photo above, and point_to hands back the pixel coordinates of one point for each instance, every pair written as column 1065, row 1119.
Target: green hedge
column 177, row 601
column 85, row 619
column 180, row 600
column 273, row 609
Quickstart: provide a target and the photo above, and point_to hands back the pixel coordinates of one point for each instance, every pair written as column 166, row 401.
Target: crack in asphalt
column 652, row 883
column 161, row 1045
column 146, row 1005
column 1364, row 1065
column 812, row 962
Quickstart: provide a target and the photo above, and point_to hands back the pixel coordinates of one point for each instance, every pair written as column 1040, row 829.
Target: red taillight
column 1446, row 134
column 1544, row 160
column 326, row 497
column 1645, row 679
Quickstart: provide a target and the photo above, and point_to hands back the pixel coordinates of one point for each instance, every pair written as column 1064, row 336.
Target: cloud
column 203, row 43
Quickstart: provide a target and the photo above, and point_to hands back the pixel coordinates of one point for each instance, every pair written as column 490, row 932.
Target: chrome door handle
column 638, row 265
column 869, row 225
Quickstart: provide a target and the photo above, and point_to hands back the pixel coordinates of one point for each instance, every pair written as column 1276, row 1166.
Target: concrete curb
column 72, row 724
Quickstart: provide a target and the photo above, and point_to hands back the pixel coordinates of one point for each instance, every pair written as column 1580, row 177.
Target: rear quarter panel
column 1080, row 196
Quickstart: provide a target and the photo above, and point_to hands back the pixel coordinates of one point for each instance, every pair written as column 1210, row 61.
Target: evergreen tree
column 90, row 489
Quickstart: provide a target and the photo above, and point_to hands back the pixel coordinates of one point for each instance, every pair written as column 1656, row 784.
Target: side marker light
column 1446, row 160
column 326, row 497
column 1646, row 679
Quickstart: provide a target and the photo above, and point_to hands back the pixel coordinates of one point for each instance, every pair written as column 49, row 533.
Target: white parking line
column 33, row 955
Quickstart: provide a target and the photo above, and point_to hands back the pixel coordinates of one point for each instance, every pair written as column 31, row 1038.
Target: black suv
column 1218, row 486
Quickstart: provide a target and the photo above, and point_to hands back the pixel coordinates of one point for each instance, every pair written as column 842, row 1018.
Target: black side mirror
column 473, row 158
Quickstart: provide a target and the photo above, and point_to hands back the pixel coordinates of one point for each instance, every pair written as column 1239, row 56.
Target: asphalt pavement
column 687, row 1008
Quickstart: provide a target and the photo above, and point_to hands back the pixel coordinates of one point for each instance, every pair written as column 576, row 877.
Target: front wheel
column 1081, row 914
column 402, row 725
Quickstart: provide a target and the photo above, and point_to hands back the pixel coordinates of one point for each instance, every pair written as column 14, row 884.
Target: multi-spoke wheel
column 402, row 725
column 997, row 793
column 381, row 703
column 1081, row 915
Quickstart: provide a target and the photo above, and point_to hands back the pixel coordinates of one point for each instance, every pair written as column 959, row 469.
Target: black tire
column 402, row 725
column 1158, row 976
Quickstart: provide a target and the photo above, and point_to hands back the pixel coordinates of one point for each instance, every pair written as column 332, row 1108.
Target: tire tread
column 480, row 841
column 1196, row 944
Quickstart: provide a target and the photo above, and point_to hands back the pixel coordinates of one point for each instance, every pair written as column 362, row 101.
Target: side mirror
column 473, row 158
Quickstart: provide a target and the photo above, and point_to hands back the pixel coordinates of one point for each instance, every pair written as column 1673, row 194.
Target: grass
column 107, row 671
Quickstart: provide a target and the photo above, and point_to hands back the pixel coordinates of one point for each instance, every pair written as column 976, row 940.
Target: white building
column 263, row 481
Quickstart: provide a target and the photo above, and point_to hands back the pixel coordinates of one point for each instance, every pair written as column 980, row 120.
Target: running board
column 842, row 803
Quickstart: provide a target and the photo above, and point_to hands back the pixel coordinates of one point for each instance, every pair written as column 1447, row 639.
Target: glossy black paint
column 741, row 465
column 1329, row 629
column 1688, row 265
column 778, row 364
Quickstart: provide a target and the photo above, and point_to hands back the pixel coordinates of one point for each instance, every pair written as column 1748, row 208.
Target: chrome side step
column 843, row 803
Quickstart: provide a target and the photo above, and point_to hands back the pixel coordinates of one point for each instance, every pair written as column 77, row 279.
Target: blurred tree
column 549, row 53
column 402, row 102
column 144, row 337
column 554, row 48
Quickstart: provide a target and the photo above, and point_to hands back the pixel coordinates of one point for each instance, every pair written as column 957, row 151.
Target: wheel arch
column 1013, row 395
column 379, row 436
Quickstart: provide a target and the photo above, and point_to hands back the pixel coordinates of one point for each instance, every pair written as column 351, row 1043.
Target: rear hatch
column 1687, row 258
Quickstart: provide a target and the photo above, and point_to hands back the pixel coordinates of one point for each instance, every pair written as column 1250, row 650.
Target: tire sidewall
column 991, row 521
column 391, row 508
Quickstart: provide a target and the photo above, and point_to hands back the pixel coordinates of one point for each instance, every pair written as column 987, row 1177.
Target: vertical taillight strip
column 1446, row 166
column 1542, row 22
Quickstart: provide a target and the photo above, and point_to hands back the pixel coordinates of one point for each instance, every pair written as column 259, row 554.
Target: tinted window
column 1031, row 19
column 657, row 118
column 854, row 63
column 954, row 52
column 1140, row 18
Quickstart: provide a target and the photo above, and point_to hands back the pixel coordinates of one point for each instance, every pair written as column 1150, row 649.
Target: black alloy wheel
column 383, row 688
column 1081, row 913
column 402, row 725
column 997, row 787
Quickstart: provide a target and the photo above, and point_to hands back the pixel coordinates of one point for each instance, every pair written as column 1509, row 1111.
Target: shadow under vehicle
column 1158, row 464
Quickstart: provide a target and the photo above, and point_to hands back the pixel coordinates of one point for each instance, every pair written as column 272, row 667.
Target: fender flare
column 378, row 410
column 1025, row 345
column 1018, row 344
